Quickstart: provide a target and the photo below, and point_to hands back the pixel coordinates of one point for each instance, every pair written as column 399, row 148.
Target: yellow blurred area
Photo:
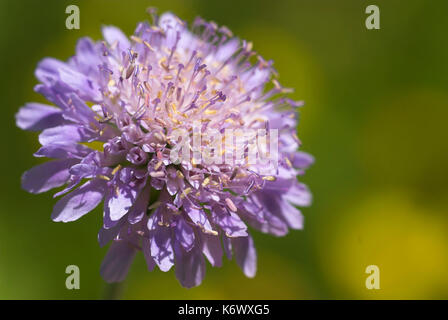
column 407, row 242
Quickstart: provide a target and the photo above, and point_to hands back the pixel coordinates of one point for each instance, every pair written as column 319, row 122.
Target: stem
column 113, row 291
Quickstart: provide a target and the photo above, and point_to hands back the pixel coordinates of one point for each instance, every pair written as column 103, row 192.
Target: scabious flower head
column 118, row 108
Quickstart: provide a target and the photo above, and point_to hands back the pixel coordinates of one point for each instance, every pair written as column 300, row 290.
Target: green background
column 375, row 119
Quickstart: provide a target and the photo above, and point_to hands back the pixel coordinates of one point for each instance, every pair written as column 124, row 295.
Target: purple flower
column 111, row 133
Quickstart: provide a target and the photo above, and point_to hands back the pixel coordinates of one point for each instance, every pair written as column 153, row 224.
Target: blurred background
column 375, row 119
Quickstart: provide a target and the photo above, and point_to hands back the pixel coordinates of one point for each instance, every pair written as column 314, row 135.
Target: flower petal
column 46, row 176
column 63, row 151
column 65, row 133
column 79, row 111
column 211, row 248
column 302, row 160
column 199, row 218
column 190, row 266
column 37, row 117
column 79, row 82
column 87, row 58
column 114, row 35
column 184, row 234
column 281, row 208
column 119, row 201
column 299, row 195
column 161, row 246
column 229, row 222
column 47, row 70
column 227, row 245
column 245, row 255
column 117, row 261
column 291, row 215
column 140, row 206
column 79, row 202
column 106, row 235
column 146, row 248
